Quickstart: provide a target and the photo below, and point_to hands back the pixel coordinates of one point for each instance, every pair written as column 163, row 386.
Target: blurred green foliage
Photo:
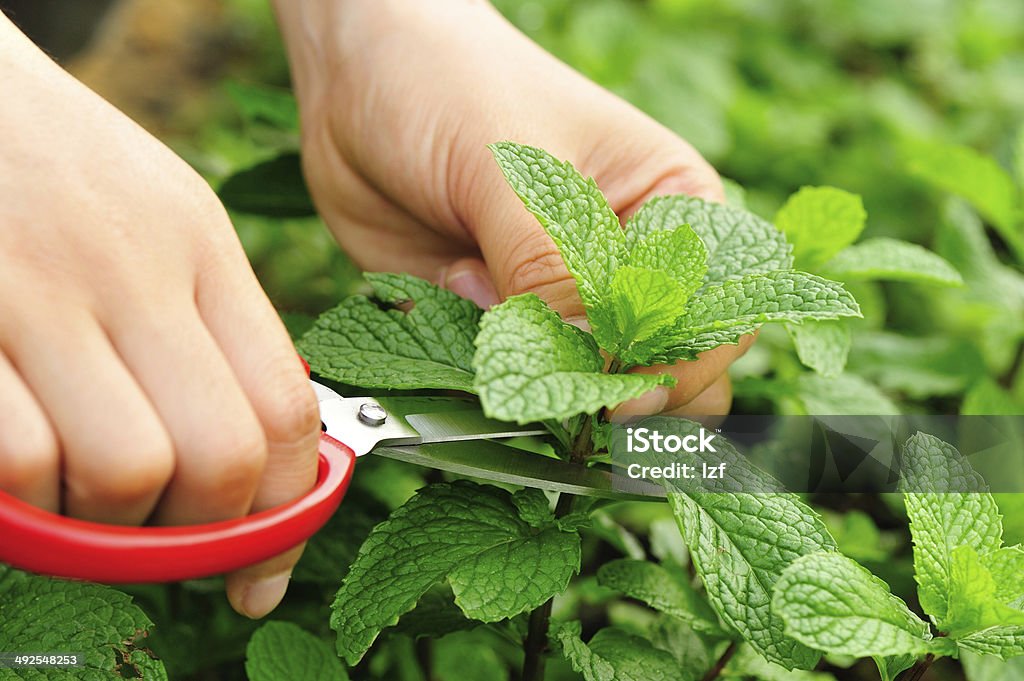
column 856, row 94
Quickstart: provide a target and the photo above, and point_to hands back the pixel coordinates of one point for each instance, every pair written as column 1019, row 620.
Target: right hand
column 144, row 375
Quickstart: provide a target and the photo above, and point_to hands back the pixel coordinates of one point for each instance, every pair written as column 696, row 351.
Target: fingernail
column 652, row 402
column 581, row 323
column 473, row 286
column 264, row 595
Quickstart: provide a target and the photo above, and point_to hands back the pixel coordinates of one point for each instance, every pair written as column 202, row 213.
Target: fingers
column 263, row 358
column 698, row 386
column 29, row 454
column 117, row 457
column 470, row 278
column 219, row 445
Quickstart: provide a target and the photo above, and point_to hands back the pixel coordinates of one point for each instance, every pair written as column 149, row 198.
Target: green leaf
column 497, row 564
column 273, row 188
column 738, row 242
column 640, row 303
column 573, row 212
column 430, row 346
column 1007, row 567
column 1004, row 642
column 722, row 313
column 658, row 588
column 615, row 655
column 282, row 651
column 831, row 603
column 822, row 346
column 977, row 178
column 532, row 366
column 695, row 653
column 679, row 252
column 988, row 398
column 944, row 515
column 894, row 260
column 844, row 394
column 989, row 668
column 40, row 614
column 820, row 222
column 747, row 664
column 891, row 666
column 741, row 544
column 266, row 105
column 975, row 601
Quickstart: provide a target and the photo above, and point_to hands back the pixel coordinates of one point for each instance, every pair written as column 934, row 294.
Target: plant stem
column 536, row 643
column 715, row 671
column 919, row 668
column 535, row 646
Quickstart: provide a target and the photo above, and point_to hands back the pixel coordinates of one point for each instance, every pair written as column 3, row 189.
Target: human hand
column 143, row 373
column 398, row 103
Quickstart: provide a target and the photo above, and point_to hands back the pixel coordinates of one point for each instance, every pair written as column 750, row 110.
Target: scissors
column 446, row 433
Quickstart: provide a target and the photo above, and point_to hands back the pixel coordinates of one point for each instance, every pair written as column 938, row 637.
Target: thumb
column 519, row 255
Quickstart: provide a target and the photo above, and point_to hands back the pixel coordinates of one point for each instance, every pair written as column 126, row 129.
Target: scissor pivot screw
column 372, row 414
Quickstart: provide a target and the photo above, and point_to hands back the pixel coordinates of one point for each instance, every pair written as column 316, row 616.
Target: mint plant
column 683, row 277
column 969, row 584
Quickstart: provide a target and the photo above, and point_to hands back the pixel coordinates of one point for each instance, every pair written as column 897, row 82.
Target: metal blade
column 363, row 423
column 493, row 461
column 455, row 426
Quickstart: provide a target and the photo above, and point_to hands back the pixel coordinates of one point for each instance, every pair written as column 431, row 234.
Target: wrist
column 328, row 40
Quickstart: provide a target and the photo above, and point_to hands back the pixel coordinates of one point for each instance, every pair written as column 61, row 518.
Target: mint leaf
column 822, row 346
column 747, row 664
column 282, row 651
column 694, row 653
column 975, row 602
column 891, row 666
column 573, row 212
column 741, row 544
column 658, row 588
column 497, row 564
column 990, row 668
column 274, row 188
column 831, row 603
column 988, row 398
column 894, row 260
column 430, row 346
column 1004, row 642
column 40, row 614
column 640, row 304
column 977, row 178
column 738, row 242
column 722, row 313
column 532, row 366
column 679, row 252
column 943, row 516
column 615, row 655
column 844, row 394
column 820, row 222
column 1006, row 567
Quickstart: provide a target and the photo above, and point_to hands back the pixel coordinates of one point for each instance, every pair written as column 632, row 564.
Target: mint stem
column 919, row 668
column 716, row 671
column 535, row 647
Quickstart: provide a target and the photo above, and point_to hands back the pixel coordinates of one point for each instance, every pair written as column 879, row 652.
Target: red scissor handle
column 47, row 543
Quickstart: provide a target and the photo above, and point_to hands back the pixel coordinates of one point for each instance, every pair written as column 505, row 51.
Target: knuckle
column 33, row 458
column 535, row 266
column 233, row 463
column 134, row 479
column 294, row 414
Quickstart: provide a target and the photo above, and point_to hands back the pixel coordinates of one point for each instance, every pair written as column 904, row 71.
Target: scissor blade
column 469, row 424
column 495, row 462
